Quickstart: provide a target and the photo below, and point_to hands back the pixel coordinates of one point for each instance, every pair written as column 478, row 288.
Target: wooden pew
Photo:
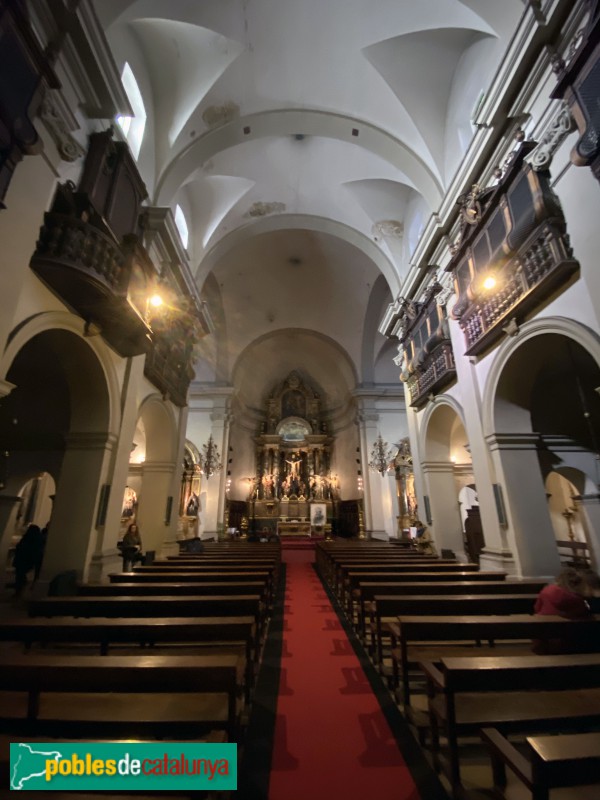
column 212, row 576
column 151, row 606
column 422, row 638
column 188, row 577
column 389, row 567
column 147, row 588
column 552, row 762
column 367, row 562
column 155, row 696
column 389, row 607
column 368, row 589
column 141, row 632
column 515, row 695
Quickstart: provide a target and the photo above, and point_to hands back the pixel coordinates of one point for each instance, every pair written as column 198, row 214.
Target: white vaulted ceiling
column 320, row 131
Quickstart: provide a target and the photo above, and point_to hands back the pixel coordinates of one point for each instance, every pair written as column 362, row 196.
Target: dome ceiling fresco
column 323, row 131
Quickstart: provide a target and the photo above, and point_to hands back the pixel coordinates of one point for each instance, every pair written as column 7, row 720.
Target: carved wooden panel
column 579, row 84
column 428, row 363
column 513, row 251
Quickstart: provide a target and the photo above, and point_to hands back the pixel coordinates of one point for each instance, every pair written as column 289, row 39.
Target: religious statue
column 295, row 470
column 129, row 502
column 268, row 487
column 285, row 488
column 193, row 505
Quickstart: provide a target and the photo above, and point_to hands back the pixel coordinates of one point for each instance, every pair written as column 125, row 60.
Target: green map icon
column 29, row 768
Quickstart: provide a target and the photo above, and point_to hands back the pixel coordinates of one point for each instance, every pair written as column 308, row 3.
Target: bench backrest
column 514, row 626
column 152, row 606
column 117, row 589
column 369, row 589
column 357, row 578
column 186, row 577
column 452, row 605
column 521, row 673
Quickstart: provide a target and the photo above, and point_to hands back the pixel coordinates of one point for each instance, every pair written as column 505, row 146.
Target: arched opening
column 547, row 415
column 447, row 470
column 54, row 427
column 152, row 472
column 191, row 503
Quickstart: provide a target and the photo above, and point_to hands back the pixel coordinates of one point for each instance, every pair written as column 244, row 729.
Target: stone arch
column 571, row 329
column 160, row 427
column 63, row 321
column 446, row 469
column 287, row 122
column 439, row 412
column 380, row 293
column 302, row 222
column 157, row 504
column 540, row 411
column 65, row 413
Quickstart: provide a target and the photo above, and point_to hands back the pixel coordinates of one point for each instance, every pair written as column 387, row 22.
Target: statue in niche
column 285, row 487
column 129, row 503
column 193, row 505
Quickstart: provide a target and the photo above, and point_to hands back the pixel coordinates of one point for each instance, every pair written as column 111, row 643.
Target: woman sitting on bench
column 131, row 547
column 564, row 598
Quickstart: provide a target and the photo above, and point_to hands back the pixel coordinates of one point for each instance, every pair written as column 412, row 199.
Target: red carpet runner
column 331, row 738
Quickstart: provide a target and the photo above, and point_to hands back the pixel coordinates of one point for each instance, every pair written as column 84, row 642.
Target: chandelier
column 382, row 456
column 211, row 459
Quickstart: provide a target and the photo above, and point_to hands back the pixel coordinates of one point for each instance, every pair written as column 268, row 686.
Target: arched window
column 133, row 127
column 181, row 226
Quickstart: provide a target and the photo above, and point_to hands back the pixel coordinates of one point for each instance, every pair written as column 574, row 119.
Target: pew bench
column 419, row 638
column 367, row 589
column 389, row 607
column 196, row 576
column 392, row 568
column 529, row 694
column 147, row 588
column 351, row 590
column 91, row 696
column 224, row 633
column 552, row 762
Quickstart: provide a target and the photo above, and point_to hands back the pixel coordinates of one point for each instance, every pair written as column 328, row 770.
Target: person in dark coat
column 28, row 556
column 131, row 547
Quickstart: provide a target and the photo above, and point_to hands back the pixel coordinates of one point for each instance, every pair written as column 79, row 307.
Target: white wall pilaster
column 530, row 532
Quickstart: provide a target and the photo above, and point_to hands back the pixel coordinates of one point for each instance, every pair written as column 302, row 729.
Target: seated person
column 131, row 547
column 564, row 598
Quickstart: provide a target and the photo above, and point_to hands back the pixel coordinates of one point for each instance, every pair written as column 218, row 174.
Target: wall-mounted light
column 156, row 301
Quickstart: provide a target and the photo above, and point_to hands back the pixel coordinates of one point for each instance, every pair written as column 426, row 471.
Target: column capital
column 221, row 415
column 513, row 441
column 437, row 466
column 158, row 467
column 365, row 417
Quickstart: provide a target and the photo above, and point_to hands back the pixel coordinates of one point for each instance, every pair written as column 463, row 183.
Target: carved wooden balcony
column 104, row 281
column 513, row 252
column 436, row 371
column 169, row 362
column 428, row 360
column 579, row 85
